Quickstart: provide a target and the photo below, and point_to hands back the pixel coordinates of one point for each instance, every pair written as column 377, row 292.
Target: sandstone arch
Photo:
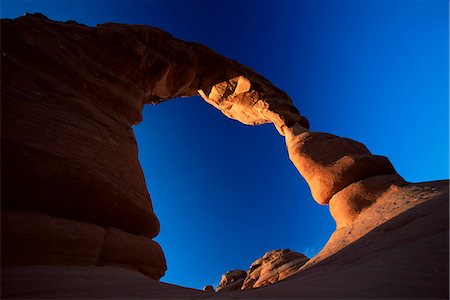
column 71, row 93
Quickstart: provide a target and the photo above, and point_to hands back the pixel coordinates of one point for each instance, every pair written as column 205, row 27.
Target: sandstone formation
column 74, row 200
column 232, row 280
column 274, row 266
column 70, row 94
column 30, row 238
column 87, row 282
column 396, row 249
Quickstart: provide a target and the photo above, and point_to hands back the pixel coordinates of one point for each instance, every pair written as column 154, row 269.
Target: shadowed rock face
column 340, row 172
column 274, row 266
column 70, row 94
column 36, row 239
column 396, row 249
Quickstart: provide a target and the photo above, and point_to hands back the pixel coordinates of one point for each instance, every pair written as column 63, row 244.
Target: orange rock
column 274, row 266
column 348, row 203
column 232, row 280
column 330, row 163
column 30, row 238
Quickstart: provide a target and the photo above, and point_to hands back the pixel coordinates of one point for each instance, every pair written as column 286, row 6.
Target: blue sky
column 225, row 193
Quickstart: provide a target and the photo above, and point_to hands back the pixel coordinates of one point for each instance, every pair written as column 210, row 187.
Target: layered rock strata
column 232, row 280
column 209, row 288
column 70, row 94
column 30, row 238
column 274, row 266
column 395, row 249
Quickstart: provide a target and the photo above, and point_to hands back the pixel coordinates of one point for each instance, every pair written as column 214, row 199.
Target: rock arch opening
column 224, row 193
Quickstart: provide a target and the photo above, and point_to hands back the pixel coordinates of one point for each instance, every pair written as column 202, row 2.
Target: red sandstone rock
column 330, row 163
column 396, row 249
column 348, row 203
column 232, row 280
column 35, row 239
column 30, row 238
column 274, row 266
column 135, row 252
column 70, row 94
column 87, row 282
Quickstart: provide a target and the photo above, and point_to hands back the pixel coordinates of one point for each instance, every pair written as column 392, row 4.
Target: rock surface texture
column 232, row 280
column 395, row 249
column 274, row 266
column 69, row 96
column 340, row 172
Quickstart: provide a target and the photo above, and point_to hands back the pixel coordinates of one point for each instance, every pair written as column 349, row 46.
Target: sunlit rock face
column 340, row 172
column 394, row 207
column 232, row 280
column 70, row 94
column 274, row 266
column 73, row 192
column 252, row 100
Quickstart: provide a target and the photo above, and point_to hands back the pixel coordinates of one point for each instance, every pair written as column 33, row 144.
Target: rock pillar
column 339, row 171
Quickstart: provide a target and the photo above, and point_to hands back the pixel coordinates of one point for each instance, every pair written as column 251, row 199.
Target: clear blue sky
column 225, row 193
